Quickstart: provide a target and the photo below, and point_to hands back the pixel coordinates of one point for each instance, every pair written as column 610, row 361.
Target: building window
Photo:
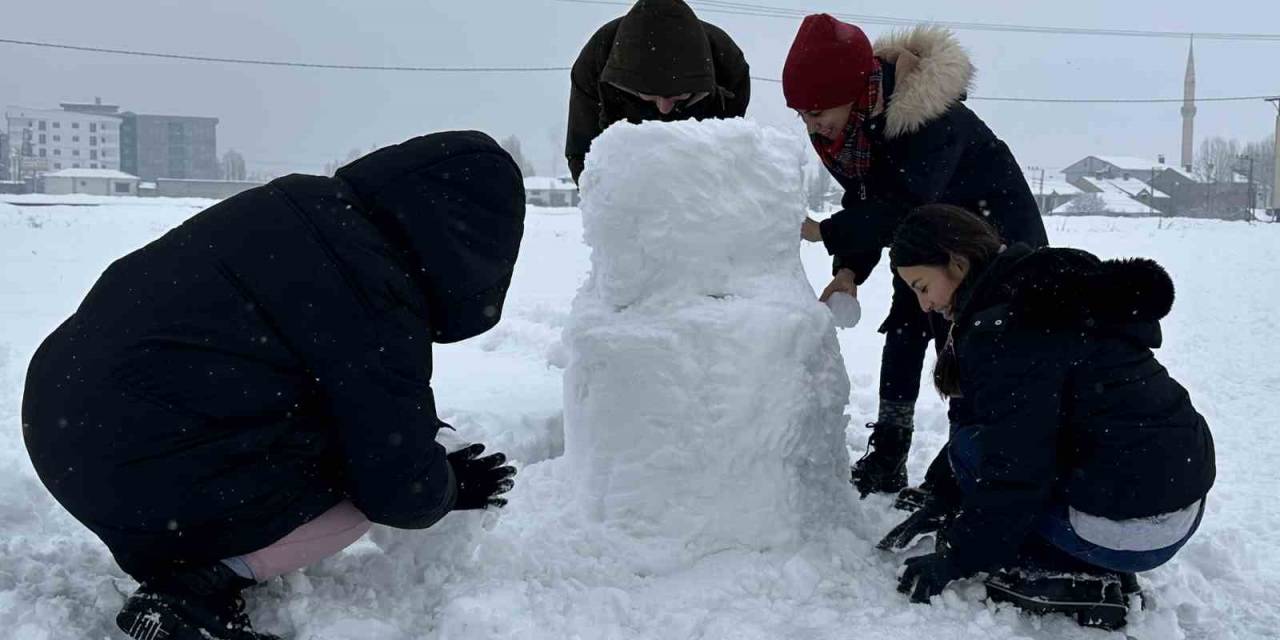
column 57, row 152
column 57, row 125
column 93, row 165
column 75, row 165
column 75, row 138
column 42, row 153
column 42, row 125
column 57, row 138
column 42, row 136
column 93, row 154
column 57, row 165
column 93, row 141
column 93, row 127
column 75, row 152
column 75, row 125
column 122, row 187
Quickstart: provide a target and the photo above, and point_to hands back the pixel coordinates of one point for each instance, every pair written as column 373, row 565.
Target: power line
column 431, row 69
column 276, row 63
column 1087, row 100
column 767, row 11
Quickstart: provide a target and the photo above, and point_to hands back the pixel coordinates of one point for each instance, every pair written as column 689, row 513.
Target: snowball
column 845, row 309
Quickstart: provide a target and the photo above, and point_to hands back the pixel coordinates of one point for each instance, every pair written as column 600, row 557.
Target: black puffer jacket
column 927, row 147
column 659, row 48
column 271, row 356
column 1063, row 399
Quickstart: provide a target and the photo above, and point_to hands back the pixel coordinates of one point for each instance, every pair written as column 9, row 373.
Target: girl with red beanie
column 889, row 123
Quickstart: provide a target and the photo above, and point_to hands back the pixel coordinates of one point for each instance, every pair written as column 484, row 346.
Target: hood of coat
column 1068, row 288
column 932, row 73
column 453, row 203
column 661, row 49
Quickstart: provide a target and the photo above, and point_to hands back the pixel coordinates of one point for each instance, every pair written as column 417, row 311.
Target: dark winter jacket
column 271, row 356
column 1063, row 400
column 659, row 48
column 926, row 148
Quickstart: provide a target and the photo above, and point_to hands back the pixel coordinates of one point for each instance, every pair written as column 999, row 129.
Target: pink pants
column 326, row 535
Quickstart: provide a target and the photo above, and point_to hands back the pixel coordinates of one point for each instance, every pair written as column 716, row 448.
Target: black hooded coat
column 271, row 356
column 659, row 48
column 1063, row 400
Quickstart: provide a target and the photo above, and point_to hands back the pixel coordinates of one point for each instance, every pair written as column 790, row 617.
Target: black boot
column 195, row 604
column 883, row 469
column 1048, row 581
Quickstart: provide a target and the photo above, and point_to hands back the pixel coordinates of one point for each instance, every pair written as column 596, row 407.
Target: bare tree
column 331, row 168
column 512, row 145
column 1217, row 159
column 819, row 183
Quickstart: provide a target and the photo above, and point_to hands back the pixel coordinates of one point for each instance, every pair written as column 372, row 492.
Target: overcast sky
column 299, row 119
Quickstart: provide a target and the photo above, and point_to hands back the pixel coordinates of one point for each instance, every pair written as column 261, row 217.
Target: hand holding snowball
column 845, row 281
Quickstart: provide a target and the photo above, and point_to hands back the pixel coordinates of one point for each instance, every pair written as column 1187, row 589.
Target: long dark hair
column 931, row 236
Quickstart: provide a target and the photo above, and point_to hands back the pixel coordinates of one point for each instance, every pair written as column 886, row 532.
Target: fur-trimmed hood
column 933, row 73
column 1070, row 288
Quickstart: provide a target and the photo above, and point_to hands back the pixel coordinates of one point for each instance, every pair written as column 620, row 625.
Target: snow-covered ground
column 540, row 570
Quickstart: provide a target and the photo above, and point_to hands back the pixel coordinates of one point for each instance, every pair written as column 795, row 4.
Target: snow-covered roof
column 547, row 183
column 1126, row 187
column 1131, row 163
column 1051, row 185
column 1111, row 203
column 109, row 174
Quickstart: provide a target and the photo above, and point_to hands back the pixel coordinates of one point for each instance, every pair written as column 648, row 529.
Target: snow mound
column 702, row 208
column 705, row 391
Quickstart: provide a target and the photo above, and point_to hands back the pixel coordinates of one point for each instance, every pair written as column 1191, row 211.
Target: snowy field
column 537, row 570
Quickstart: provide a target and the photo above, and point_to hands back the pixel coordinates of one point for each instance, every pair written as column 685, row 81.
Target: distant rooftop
column 111, row 174
column 95, row 107
column 1133, row 164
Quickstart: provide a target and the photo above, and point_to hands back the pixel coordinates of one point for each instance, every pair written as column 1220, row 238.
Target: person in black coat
column 658, row 62
column 267, row 364
column 1073, row 451
column 889, row 124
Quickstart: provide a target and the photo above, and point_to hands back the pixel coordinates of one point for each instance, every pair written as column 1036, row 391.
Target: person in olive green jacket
column 658, row 62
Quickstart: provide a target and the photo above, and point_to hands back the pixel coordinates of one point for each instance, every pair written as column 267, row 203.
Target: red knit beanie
column 828, row 65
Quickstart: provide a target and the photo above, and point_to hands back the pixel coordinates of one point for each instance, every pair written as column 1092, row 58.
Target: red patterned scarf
column 849, row 155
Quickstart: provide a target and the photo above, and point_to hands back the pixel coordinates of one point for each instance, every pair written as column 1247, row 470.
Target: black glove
column 927, row 575
column 929, row 518
column 480, row 480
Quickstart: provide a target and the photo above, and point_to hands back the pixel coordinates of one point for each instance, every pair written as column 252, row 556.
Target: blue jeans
column 1054, row 525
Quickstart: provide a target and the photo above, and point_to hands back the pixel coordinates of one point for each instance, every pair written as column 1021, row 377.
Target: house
column 1122, row 167
column 550, row 192
column 98, row 182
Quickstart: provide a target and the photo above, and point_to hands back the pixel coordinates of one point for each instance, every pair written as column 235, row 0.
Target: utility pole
column 1041, row 201
column 1275, row 181
column 1250, row 200
column 1208, row 192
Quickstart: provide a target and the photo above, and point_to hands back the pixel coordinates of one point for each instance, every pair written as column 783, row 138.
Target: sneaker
column 1094, row 599
column 200, row 604
column 883, row 469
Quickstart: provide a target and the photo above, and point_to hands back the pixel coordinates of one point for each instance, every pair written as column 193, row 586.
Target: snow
column 1130, row 187
column 546, row 183
column 32, row 200
column 543, row 569
column 1111, row 201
